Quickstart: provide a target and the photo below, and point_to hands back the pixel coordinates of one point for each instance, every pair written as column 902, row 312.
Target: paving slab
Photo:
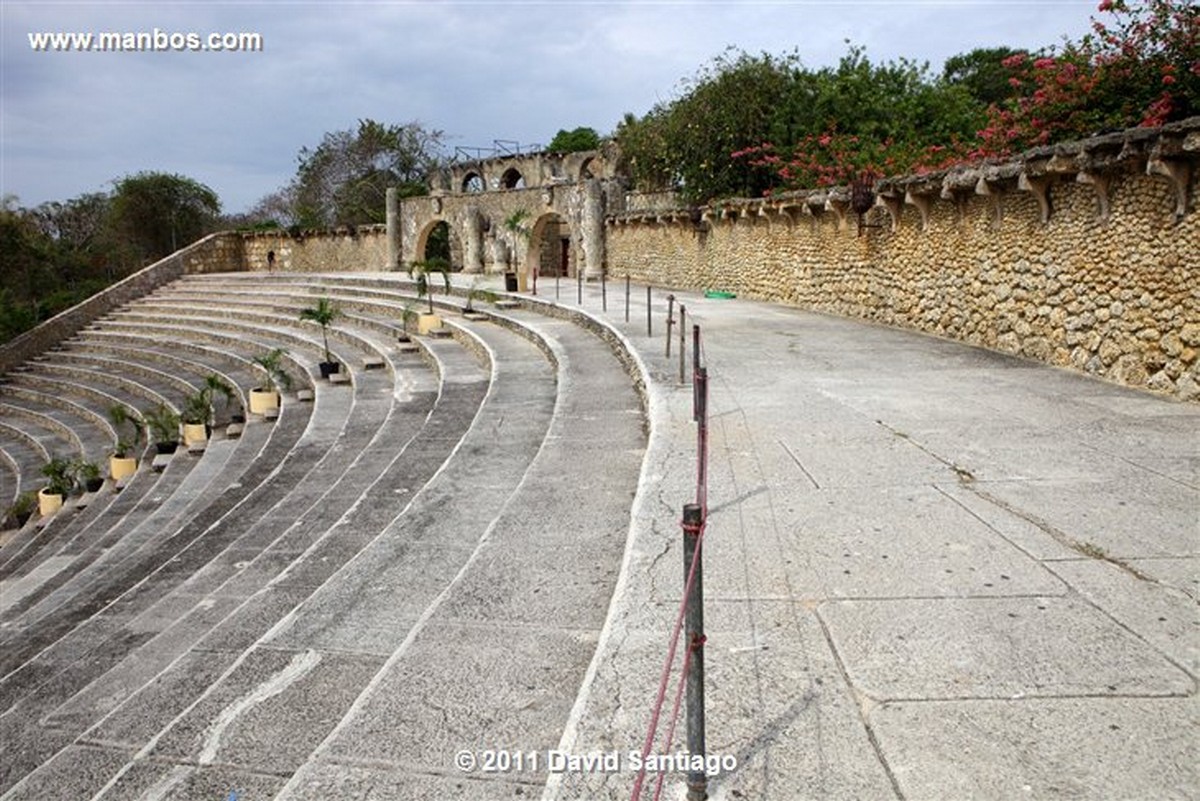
column 1016, row 647
column 1109, row 748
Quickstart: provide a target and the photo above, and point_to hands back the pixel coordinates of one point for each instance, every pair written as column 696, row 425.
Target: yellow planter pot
column 48, row 504
column 428, row 322
column 121, row 467
column 194, row 433
column 263, row 401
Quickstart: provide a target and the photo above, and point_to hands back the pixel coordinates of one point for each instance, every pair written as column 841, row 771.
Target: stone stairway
column 240, row 620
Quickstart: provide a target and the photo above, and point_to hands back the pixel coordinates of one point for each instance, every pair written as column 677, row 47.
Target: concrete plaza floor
column 932, row 571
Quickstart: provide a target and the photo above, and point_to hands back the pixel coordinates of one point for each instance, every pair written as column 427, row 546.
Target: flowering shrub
column 837, row 159
column 1141, row 68
column 752, row 125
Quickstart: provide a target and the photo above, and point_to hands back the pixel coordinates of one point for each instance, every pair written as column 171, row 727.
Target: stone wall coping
column 1154, row 150
column 292, row 233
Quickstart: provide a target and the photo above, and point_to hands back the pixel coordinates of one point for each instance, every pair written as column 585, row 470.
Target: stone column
column 591, row 230
column 393, row 229
column 473, row 240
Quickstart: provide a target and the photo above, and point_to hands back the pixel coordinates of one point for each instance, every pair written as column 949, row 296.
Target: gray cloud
column 480, row 71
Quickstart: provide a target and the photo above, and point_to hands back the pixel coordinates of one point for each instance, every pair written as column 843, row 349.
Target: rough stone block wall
column 363, row 249
column 1117, row 298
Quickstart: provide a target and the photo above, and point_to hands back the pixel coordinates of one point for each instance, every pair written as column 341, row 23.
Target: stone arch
column 551, row 247
column 587, row 168
column 512, row 179
column 473, row 182
column 421, row 252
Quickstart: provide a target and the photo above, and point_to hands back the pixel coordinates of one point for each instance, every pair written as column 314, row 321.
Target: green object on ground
column 714, row 293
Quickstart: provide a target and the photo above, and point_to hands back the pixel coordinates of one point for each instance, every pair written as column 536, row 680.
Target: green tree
column 158, row 213
column 685, row 144
column 574, row 141
column 775, row 115
column 26, row 269
column 344, row 180
column 982, row 73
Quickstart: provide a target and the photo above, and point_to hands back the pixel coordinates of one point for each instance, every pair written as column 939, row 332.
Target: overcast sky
column 72, row 122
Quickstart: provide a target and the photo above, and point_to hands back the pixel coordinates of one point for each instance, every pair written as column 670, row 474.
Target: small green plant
column 274, row 376
column 420, row 270
column 323, row 314
column 478, row 293
column 217, row 387
column 407, row 316
column 198, row 407
column 162, row 424
column 20, row 510
column 60, row 477
column 87, row 474
column 123, row 418
column 516, row 225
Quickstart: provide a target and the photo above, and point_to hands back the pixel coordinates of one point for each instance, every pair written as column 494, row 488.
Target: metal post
column 695, row 349
column 626, row 297
column 557, row 275
column 700, row 412
column 649, row 314
column 670, row 321
column 682, row 342
column 693, row 525
column 579, row 284
column 603, row 292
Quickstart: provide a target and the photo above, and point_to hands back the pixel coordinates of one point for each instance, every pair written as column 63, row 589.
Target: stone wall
column 360, row 249
column 1030, row 260
column 555, row 215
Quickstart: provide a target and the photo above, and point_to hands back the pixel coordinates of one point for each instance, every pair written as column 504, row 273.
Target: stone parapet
column 217, row 252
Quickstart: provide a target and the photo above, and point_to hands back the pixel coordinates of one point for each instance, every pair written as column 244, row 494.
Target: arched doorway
column 439, row 240
column 550, row 247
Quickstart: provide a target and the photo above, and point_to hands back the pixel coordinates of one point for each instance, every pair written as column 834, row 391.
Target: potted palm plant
column 516, row 224
column 162, row 424
column 419, row 271
column 323, row 314
column 59, row 484
column 265, row 397
column 20, row 510
column 477, row 293
column 198, row 414
column 87, row 475
column 407, row 318
column 123, row 462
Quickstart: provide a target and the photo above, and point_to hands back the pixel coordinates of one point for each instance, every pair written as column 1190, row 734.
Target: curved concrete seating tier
column 429, row 490
column 24, row 453
column 128, row 365
column 54, row 436
column 92, row 429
